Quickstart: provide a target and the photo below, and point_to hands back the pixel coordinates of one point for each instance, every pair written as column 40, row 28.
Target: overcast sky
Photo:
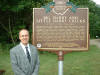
column 97, row 1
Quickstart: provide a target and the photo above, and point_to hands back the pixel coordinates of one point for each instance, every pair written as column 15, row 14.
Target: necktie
column 28, row 55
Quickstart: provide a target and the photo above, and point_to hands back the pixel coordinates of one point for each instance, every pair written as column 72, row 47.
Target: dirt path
column 95, row 42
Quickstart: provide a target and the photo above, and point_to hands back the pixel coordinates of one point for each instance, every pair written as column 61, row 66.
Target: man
column 24, row 56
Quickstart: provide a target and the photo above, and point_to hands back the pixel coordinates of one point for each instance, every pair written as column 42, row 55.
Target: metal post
column 60, row 67
column 60, row 63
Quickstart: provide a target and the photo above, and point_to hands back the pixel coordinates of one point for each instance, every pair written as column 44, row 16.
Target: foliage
column 17, row 14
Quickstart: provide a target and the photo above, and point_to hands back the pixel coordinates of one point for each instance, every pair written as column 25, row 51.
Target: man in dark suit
column 24, row 56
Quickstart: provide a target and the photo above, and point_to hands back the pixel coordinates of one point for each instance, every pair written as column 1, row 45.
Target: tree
column 17, row 14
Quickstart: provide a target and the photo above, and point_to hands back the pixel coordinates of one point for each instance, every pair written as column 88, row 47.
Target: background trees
column 17, row 14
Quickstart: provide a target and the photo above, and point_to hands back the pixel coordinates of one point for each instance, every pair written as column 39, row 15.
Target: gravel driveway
column 95, row 42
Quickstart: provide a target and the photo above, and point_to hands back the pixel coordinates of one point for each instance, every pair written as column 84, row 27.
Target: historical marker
column 61, row 26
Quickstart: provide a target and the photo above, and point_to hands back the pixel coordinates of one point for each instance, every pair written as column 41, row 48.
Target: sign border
column 63, row 49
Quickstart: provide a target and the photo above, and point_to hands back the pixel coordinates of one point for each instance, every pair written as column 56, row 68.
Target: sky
column 97, row 1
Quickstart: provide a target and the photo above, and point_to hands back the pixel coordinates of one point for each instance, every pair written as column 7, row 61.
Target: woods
column 17, row 14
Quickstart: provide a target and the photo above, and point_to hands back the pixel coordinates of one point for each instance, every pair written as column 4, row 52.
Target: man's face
column 24, row 36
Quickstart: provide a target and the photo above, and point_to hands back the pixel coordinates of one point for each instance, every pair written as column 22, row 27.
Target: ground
column 95, row 42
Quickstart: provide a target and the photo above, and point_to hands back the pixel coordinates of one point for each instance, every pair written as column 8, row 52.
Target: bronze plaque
column 67, row 31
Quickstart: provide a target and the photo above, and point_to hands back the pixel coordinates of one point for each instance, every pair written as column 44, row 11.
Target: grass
column 75, row 63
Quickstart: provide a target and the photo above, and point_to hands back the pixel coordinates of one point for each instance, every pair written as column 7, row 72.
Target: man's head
column 24, row 36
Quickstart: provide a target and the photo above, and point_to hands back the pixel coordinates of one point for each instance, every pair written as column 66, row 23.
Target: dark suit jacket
column 20, row 63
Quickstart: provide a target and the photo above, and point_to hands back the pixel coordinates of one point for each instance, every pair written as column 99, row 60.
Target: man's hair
column 23, row 29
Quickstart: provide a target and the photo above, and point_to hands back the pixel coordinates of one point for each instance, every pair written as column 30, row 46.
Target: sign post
column 60, row 60
column 60, row 63
column 61, row 27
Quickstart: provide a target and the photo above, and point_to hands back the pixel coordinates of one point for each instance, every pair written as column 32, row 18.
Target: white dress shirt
column 23, row 46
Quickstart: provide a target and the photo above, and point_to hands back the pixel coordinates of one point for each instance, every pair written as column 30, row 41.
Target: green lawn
column 75, row 63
